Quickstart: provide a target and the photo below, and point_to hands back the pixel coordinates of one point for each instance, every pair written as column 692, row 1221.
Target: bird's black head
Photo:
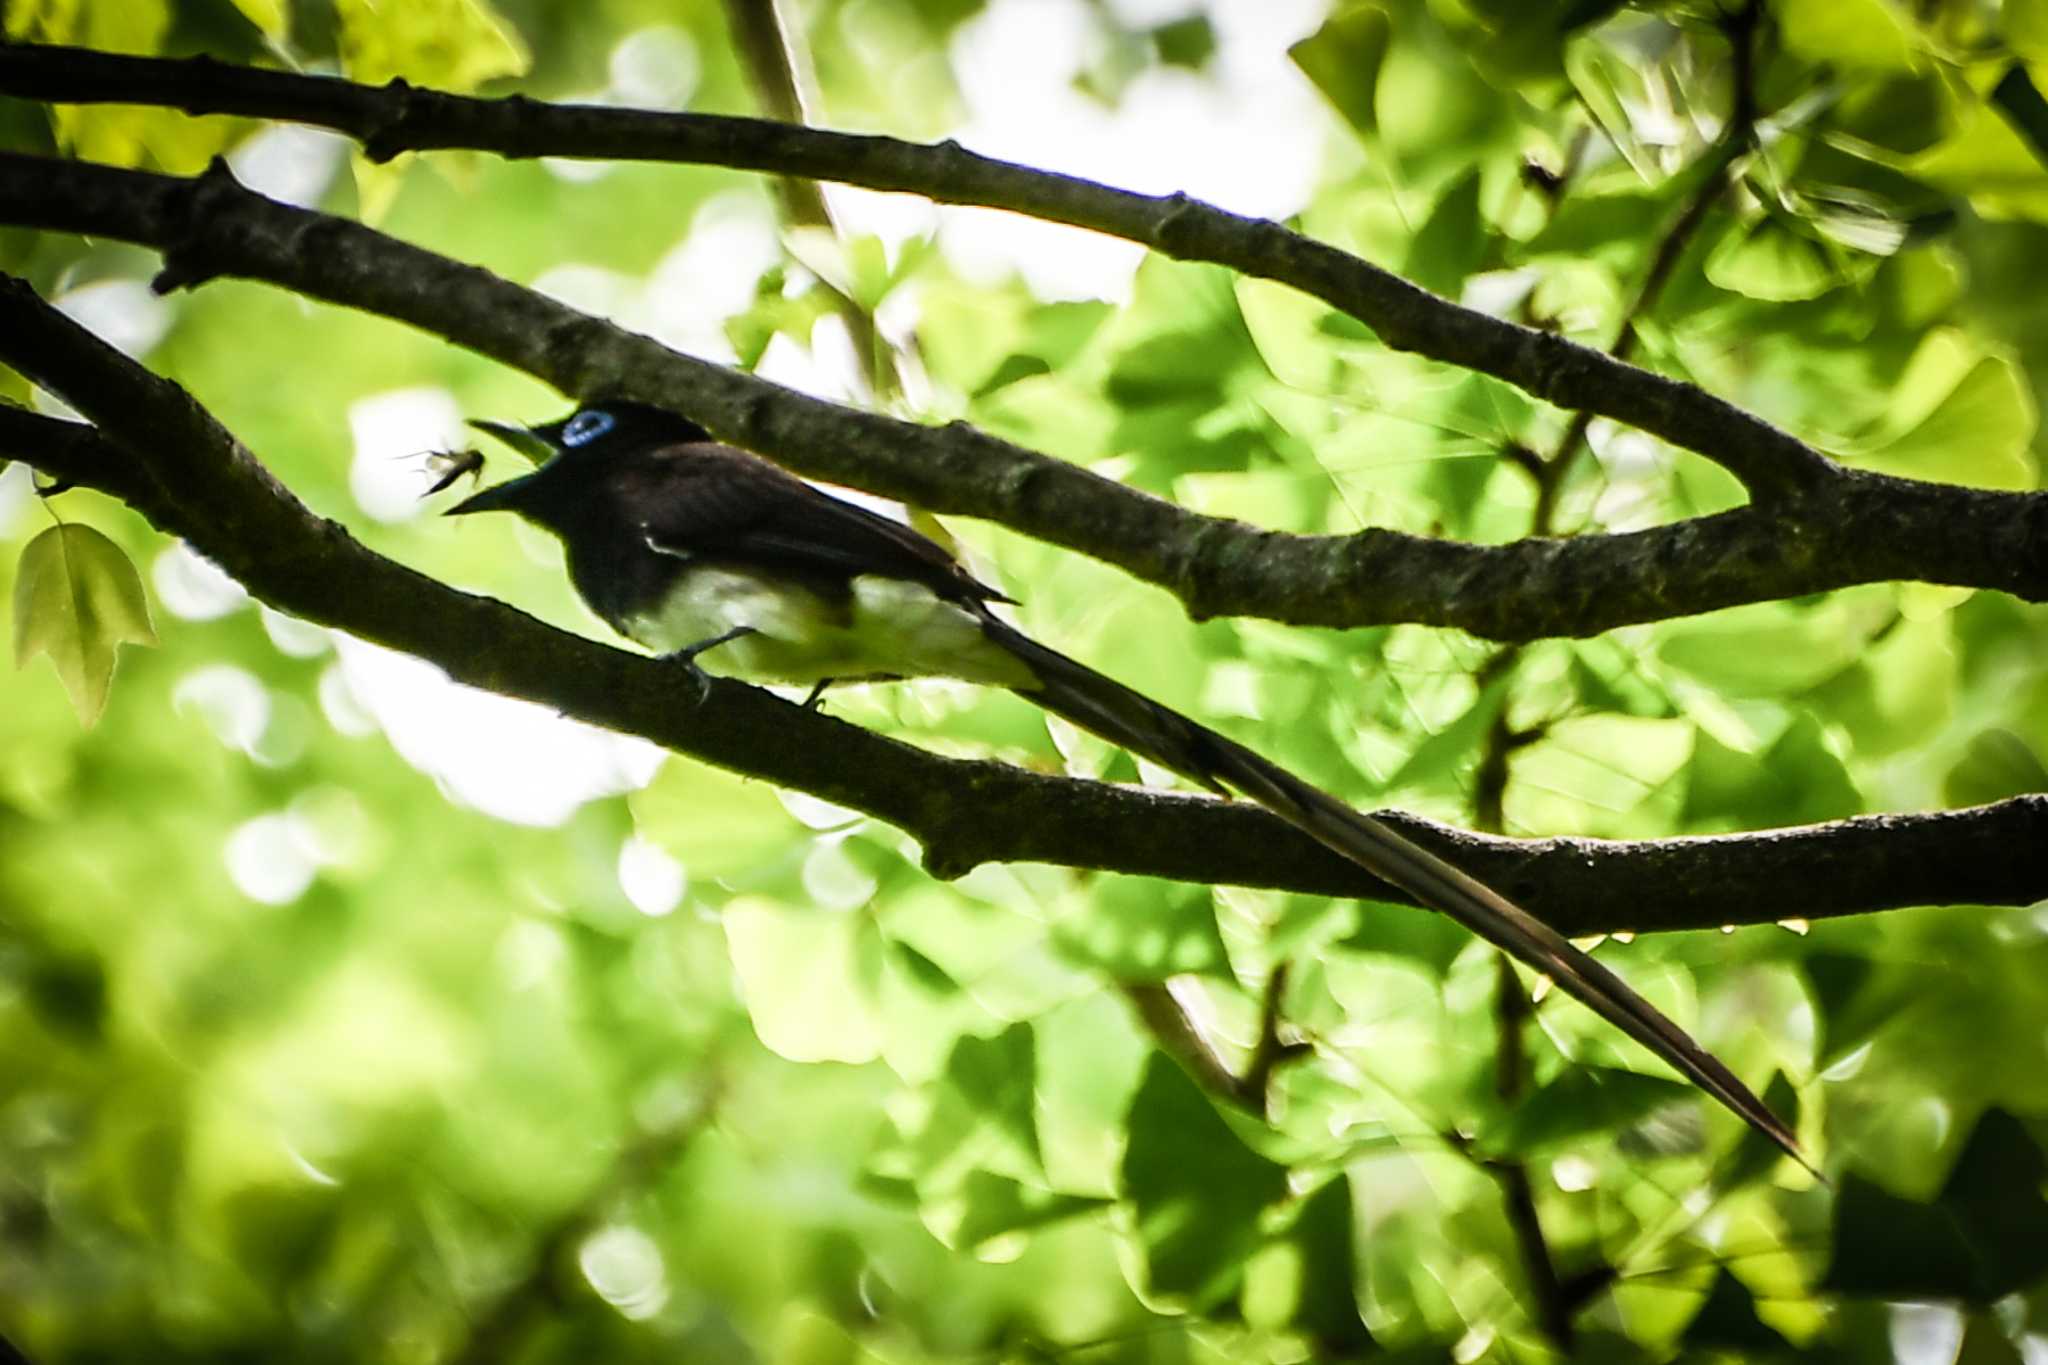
column 583, row 443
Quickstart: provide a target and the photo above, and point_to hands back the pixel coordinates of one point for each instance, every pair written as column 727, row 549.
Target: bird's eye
column 586, row 427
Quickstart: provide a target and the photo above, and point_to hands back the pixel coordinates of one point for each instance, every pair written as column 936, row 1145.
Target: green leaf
column 721, row 826
column 1438, row 759
column 1407, row 931
column 448, row 44
column 1526, row 42
column 1188, row 42
column 1582, row 1101
column 1957, row 415
column 1343, row 59
column 2026, row 27
column 1451, row 244
column 1770, row 258
column 1196, row 1191
column 76, row 599
column 1614, row 86
column 855, row 268
column 118, row 134
column 1997, row 764
column 983, row 1115
column 1885, row 1246
column 979, row 342
column 136, row 26
column 986, row 1206
column 1769, row 649
column 1985, row 1343
column 1905, row 113
column 1796, row 781
column 270, row 16
column 1984, row 158
column 1305, row 1278
column 1900, row 694
column 1138, row 929
column 773, row 313
column 1182, row 338
column 1984, row 1236
column 1754, row 1155
column 280, row 1231
column 1615, row 227
column 1727, row 1321
column 924, row 1012
column 1271, row 499
column 812, row 980
column 1868, row 34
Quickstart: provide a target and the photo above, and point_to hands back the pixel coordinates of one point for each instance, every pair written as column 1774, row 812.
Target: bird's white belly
column 891, row 628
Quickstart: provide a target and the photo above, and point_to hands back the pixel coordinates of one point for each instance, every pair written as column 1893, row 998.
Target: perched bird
column 695, row 548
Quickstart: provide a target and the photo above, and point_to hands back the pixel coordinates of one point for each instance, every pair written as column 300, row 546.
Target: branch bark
column 159, row 451
column 1857, row 528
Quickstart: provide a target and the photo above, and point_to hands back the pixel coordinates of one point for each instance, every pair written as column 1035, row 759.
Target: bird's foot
column 687, row 658
column 688, row 653
column 817, row 691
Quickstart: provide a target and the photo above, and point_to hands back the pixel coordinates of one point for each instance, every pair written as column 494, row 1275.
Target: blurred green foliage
column 310, row 1058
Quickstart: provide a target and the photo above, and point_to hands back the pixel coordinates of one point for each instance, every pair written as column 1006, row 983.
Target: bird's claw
column 700, row 682
column 695, row 679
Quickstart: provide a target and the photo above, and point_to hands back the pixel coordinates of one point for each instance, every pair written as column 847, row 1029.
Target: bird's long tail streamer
column 1134, row 721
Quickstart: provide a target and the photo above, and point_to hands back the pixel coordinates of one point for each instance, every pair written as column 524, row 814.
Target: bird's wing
column 715, row 501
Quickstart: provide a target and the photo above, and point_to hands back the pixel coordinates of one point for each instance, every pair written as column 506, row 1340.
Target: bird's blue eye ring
column 585, row 427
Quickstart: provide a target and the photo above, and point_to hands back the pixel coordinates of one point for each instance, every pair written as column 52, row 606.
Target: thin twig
column 1181, row 1038
column 1518, row 1194
column 1737, row 137
column 1271, row 1051
column 769, row 55
column 1180, row 1035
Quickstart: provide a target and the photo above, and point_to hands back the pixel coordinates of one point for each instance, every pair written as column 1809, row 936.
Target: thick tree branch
column 1860, row 528
column 964, row 813
column 398, row 117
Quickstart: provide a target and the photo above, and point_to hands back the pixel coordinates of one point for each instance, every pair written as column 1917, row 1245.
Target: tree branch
column 398, row 117
column 1860, row 528
column 963, row 812
column 1177, row 1034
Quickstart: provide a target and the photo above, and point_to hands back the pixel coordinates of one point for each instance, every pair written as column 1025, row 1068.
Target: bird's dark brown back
column 714, row 502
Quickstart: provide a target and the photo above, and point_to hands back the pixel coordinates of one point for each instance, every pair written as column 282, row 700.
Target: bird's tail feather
column 1136, row 722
